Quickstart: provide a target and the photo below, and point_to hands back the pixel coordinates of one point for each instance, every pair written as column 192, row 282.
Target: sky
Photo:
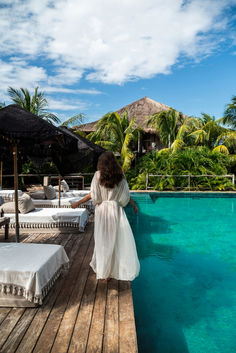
column 96, row 56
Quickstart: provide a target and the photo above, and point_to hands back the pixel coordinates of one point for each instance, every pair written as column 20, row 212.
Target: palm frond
column 200, row 136
column 51, row 118
column 74, row 120
column 177, row 145
column 221, row 148
column 230, row 114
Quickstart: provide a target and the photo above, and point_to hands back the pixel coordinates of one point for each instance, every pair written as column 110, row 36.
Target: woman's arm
column 133, row 204
column 83, row 200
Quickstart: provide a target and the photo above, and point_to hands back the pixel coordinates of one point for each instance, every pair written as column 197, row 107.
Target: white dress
column 115, row 254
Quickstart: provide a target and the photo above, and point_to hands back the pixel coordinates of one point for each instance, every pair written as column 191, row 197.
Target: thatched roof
column 141, row 109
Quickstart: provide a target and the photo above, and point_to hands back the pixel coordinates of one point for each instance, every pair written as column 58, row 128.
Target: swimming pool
column 185, row 295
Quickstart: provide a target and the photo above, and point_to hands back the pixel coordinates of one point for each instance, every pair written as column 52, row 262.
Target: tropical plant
column 189, row 161
column 2, row 105
column 228, row 140
column 117, row 134
column 36, row 104
column 74, row 120
column 166, row 124
column 208, row 131
column 230, row 114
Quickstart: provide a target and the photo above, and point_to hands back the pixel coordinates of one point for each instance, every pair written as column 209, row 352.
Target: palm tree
column 183, row 137
column 74, row 120
column 230, row 114
column 227, row 140
column 208, row 131
column 117, row 134
column 36, row 104
column 166, row 123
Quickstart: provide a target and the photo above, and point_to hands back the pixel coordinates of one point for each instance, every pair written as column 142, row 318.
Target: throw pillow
column 57, row 188
column 25, row 204
column 37, row 195
column 8, row 207
column 50, row 193
column 64, row 186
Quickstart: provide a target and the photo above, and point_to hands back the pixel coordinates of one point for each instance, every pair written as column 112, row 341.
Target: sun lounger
column 52, row 218
column 28, row 271
column 9, row 195
column 65, row 202
column 74, row 193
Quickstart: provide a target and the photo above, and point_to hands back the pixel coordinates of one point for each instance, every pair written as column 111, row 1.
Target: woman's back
column 119, row 193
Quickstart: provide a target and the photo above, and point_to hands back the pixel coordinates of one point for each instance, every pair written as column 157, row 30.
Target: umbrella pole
column 16, row 192
column 59, row 194
column 1, row 168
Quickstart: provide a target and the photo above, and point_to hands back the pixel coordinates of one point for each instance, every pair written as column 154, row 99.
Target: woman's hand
column 81, row 201
column 133, row 204
column 135, row 208
column 74, row 205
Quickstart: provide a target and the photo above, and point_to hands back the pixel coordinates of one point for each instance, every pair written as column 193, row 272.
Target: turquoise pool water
column 185, row 295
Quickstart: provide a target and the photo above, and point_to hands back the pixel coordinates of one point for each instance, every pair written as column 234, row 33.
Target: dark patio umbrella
column 80, row 153
column 41, row 141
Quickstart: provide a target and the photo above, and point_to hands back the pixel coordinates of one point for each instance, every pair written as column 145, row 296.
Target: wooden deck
column 80, row 314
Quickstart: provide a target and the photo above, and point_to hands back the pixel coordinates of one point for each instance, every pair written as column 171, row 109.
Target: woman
column 115, row 253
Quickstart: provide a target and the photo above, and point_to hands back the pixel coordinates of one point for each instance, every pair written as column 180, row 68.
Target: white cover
column 115, row 252
column 29, row 270
column 53, row 216
column 65, row 202
column 74, row 193
column 9, row 194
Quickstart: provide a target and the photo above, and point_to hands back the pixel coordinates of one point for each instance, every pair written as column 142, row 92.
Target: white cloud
column 102, row 40
column 18, row 73
column 50, row 89
column 67, row 105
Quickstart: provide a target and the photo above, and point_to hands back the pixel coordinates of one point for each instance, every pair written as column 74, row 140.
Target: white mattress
column 74, row 193
column 9, row 194
column 65, row 202
column 28, row 271
column 52, row 218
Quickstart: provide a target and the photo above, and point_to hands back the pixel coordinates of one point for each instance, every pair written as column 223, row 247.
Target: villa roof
column 141, row 109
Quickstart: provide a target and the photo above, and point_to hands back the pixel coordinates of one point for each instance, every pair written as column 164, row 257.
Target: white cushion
column 38, row 195
column 8, row 207
column 25, row 204
column 49, row 191
column 64, row 186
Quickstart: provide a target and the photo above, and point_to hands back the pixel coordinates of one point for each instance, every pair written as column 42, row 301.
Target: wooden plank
column 81, row 329
column 3, row 313
column 9, row 323
column 86, row 316
column 111, row 334
column 96, row 333
column 49, row 332
column 16, row 335
column 29, row 340
column 128, row 338
column 65, row 331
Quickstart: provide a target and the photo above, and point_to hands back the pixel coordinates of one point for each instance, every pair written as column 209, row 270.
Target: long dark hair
column 110, row 171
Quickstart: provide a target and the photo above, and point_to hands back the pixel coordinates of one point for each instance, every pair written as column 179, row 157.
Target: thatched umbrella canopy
column 84, row 154
column 41, row 141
